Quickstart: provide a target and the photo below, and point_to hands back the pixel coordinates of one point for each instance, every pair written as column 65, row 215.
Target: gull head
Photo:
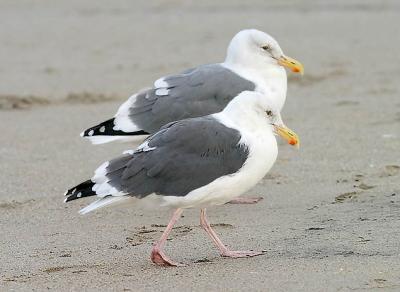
column 254, row 48
column 260, row 111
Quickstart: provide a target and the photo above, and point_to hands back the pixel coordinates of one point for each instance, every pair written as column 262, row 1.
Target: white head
column 257, row 110
column 251, row 47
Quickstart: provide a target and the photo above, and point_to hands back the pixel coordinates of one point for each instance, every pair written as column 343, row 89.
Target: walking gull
column 254, row 62
column 197, row 162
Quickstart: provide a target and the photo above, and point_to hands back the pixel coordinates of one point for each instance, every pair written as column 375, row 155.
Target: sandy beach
column 330, row 218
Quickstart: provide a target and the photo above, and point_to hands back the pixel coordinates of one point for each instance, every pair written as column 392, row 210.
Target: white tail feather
column 104, row 189
column 102, row 203
column 123, row 139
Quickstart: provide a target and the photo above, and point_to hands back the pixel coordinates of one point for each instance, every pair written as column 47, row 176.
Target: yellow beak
column 288, row 135
column 292, row 64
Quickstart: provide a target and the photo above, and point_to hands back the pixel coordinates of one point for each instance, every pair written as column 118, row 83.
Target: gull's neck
column 270, row 79
column 245, row 118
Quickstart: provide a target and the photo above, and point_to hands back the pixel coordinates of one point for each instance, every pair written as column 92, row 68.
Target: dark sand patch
column 390, row 170
column 11, row 102
column 347, row 103
column 149, row 235
column 14, row 204
column 76, row 268
column 15, row 102
column 311, row 79
column 346, row 196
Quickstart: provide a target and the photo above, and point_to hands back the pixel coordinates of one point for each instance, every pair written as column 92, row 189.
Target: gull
column 254, row 62
column 194, row 163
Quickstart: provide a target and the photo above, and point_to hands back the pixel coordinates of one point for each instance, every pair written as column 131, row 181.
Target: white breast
column 270, row 80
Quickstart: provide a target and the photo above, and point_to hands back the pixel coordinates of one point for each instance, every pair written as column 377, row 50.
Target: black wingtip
column 107, row 129
column 80, row 191
column 104, row 128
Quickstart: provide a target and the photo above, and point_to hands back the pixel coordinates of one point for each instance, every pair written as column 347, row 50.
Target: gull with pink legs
column 194, row 163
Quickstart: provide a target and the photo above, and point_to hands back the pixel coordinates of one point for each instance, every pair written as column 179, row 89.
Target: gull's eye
column 269, row 113
column 266, row 48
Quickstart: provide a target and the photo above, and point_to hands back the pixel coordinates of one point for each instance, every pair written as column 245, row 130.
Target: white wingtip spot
column 79, row 195
column 65, row 200
column 162, row 92
column 91, row 132
column 159, row 83
column 66, row 193
column 82, row 134
column 102, row 129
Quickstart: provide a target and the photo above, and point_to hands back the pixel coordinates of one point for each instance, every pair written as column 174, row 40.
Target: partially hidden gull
column 196, row 162
column 254, row 62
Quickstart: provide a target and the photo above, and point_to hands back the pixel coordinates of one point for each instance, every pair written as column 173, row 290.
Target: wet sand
column 329, row 220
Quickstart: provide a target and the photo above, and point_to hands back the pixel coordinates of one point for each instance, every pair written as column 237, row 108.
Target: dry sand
column 330, row 217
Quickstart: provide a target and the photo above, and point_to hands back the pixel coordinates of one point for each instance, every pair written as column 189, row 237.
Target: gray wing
column 196, row 92
column 181, row 157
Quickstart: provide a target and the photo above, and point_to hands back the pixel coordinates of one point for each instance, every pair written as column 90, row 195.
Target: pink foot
column 247, row 200
column 159, row 258
column 241, row 253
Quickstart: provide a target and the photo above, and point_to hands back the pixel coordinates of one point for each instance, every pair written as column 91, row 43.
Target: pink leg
column 157, row 254
column 225, row 252
column 245, row 200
